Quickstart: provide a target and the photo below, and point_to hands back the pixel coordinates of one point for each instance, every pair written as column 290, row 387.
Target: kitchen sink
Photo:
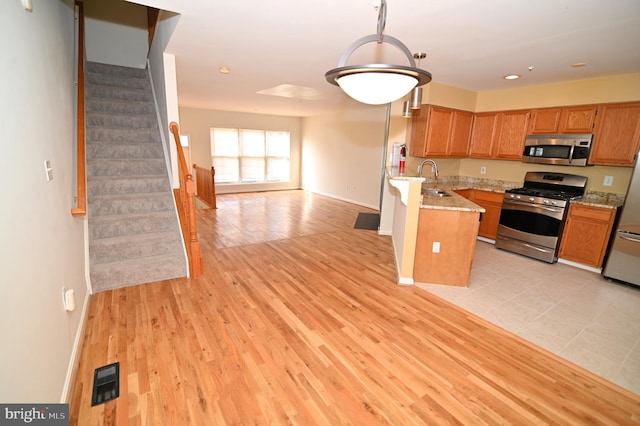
column 435, row 192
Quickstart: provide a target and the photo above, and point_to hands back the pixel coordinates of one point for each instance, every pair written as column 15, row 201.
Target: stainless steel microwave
column 562, row 150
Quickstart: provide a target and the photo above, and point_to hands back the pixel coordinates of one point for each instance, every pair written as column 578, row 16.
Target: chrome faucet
column 435, row 167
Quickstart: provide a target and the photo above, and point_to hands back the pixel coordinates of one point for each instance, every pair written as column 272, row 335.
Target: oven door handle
column 573, row 147
column 629, row 236
column 535, row 206
column 535, row 248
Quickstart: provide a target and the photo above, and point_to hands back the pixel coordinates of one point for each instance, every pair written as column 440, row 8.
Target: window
column 250, row 156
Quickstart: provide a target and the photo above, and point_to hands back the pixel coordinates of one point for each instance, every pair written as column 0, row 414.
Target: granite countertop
column 456, row 202
column 465, row 182
column 607, row 200
column 452, row 202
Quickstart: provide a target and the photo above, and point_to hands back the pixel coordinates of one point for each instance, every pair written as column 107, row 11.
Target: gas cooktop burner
column 556, row 195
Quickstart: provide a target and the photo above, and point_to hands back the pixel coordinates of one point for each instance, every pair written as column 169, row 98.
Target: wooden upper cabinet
column 578, row 119
column 440, row 132
column 513, row 131
column 616, row 135
column 484, row 132
column 418, row 141
column 545, row 120
column 460, row 134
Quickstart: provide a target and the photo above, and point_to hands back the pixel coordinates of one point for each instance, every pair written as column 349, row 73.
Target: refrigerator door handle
column 629, row 236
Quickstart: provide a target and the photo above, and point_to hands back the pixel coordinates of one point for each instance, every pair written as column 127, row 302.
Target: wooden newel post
column 194, row 244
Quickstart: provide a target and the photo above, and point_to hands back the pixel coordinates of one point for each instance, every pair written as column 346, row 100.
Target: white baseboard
column 486, row 240
column 346, row 200
column 405, row 281
column 75, row 352
column 580, row 265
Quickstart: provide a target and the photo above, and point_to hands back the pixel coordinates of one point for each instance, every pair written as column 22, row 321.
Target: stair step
column 124, row 150
column 109, row 276
column 117, row 70
column 119, row 107
column 106, row 135
column 131, row 224
column 110, row 185
column 116, row 249
column 105, row 119
column 106, row 79
column 117, row 93
column 107, row 205
column 126, row 167
column 134, row 231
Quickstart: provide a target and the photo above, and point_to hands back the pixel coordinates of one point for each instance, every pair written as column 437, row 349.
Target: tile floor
column 574, row 313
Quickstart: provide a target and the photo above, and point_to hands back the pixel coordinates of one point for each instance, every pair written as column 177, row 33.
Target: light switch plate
column 608, row 181
column 48, row 170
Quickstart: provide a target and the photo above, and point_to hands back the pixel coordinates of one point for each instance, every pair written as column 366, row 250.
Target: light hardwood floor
column 298, row 320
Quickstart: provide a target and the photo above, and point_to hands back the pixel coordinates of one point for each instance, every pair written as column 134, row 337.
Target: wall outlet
column 608, row 181
column 483, row 170
column 436, row 247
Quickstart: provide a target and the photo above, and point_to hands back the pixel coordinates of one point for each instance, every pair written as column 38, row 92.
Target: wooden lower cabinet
column 586, row 234
column 492, row 203
column 455, row 234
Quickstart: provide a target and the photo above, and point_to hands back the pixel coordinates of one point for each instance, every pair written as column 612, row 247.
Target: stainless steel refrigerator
column 623, row 262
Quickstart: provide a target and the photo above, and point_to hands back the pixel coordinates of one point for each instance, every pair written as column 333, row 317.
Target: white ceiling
column 470, row 44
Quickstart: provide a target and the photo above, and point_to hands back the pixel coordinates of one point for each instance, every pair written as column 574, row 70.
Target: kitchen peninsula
column 433, row 233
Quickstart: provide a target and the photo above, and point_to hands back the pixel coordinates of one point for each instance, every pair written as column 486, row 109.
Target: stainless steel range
column 532, row 217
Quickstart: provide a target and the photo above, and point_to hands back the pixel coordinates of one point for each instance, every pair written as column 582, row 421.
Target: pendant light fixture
column 377, row 84
column 416, row 93
column 406, row 109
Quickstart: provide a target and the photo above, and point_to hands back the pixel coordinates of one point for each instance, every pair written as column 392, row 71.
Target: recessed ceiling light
column 511, row 77
column 579, row 65
column 224, row 69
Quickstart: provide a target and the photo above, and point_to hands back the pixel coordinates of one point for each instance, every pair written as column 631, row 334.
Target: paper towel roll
column 70, row 300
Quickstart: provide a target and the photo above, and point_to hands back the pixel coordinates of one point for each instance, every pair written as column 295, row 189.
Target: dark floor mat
column 369, row 221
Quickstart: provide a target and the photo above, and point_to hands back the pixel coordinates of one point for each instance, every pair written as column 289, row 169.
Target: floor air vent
column 106, row 383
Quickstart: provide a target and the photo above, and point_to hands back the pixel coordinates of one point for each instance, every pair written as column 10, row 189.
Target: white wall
column 196, row 123
column 342, row 154
column 116, row 33
column 42, row 246
column 162, row 68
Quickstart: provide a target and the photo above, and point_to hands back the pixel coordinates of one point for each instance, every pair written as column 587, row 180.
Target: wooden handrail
column 152, row 22
column 186, row 209
column 81, row 204
column 205, row 185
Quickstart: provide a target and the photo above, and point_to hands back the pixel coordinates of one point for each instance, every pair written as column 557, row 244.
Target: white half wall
column 162, row 68
column 41, row 243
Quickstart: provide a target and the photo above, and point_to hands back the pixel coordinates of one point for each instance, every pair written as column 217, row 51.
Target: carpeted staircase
column 134, row 235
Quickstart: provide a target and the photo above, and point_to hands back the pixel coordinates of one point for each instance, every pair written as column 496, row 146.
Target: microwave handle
column 573, row 147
